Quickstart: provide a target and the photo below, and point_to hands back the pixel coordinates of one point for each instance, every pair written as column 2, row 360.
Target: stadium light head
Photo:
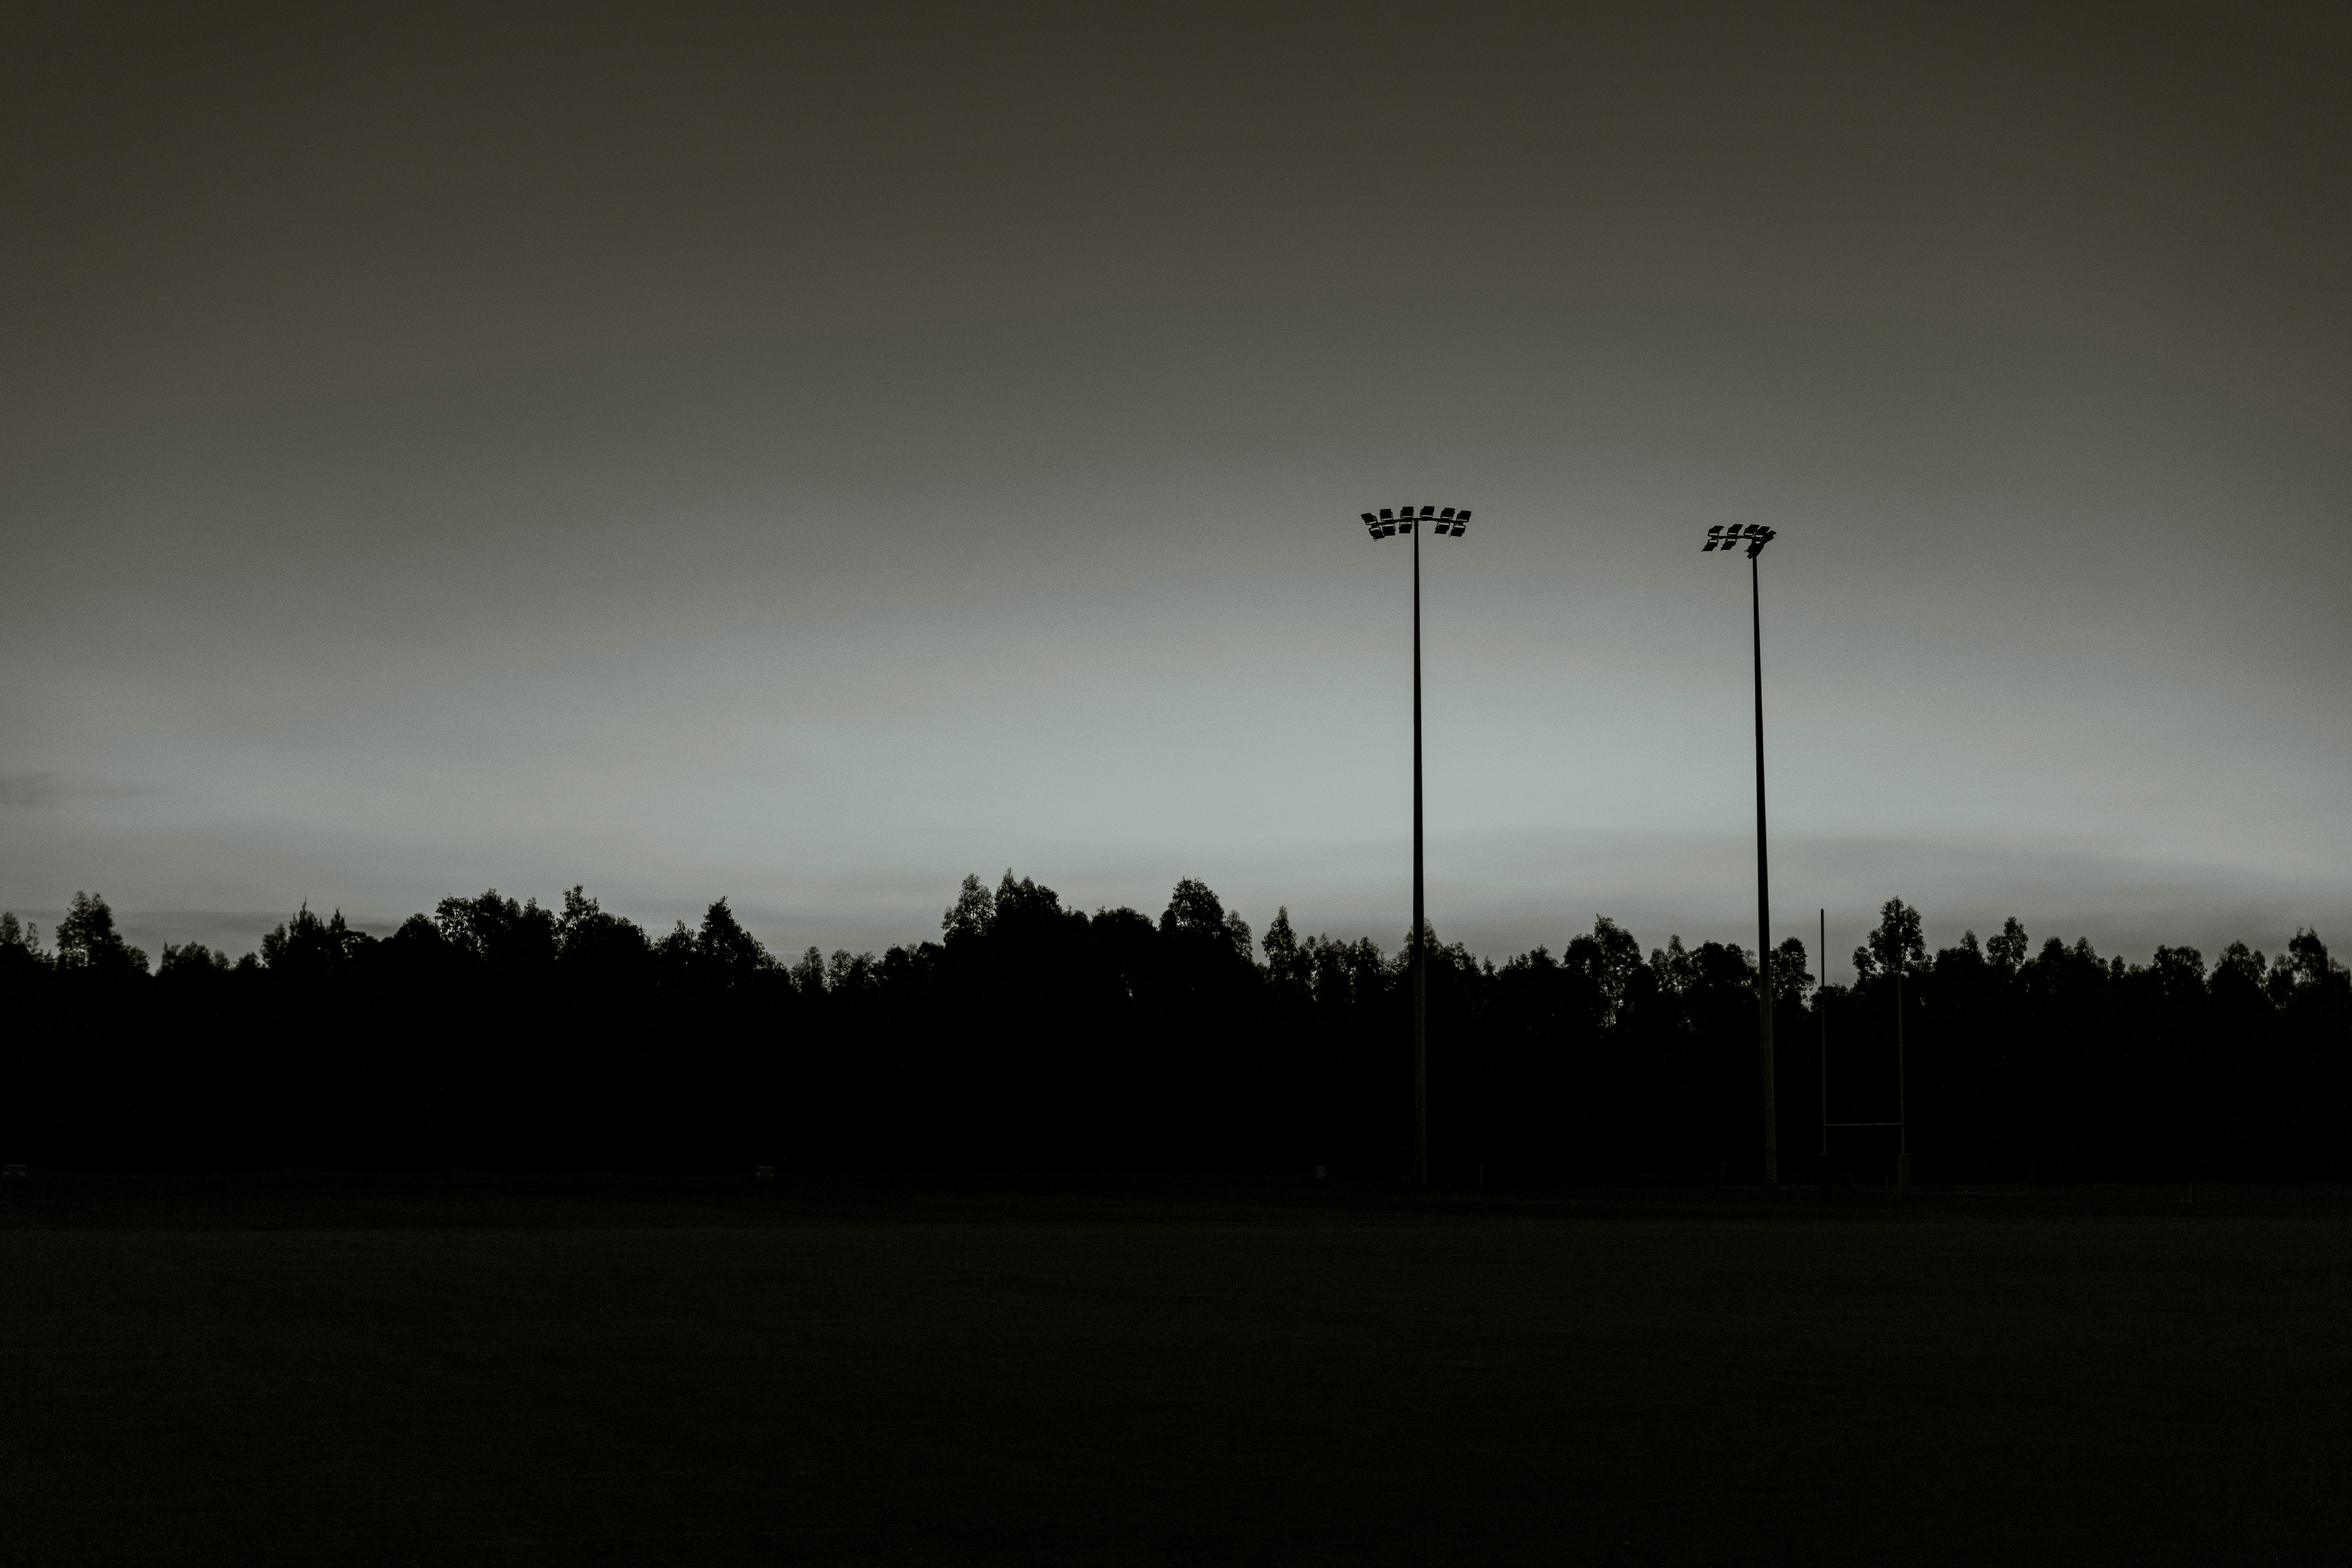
column 1442, row 521
column 1754, row 535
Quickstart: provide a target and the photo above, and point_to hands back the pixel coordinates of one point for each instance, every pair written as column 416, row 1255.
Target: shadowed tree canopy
column 87, row 940
column 973, row 913
column 727, row 949
column 498, row 1032
column 308, row 946
column 1898, row 945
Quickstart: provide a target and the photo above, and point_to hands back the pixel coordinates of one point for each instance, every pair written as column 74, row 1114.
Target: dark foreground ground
column 514, row 1372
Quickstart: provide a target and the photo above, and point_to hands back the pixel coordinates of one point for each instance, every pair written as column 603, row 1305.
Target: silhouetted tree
column 1896, row 944
column 972, row 913
column 87, row 940
column 23, row 936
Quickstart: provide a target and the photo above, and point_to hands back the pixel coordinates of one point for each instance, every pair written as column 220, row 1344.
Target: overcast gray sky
column 805, row 459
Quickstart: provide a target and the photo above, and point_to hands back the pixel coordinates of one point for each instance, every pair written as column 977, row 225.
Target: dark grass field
column 560, row 1373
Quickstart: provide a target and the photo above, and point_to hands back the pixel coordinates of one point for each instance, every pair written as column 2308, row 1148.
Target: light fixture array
column 1754, row 535
column 1401, row 520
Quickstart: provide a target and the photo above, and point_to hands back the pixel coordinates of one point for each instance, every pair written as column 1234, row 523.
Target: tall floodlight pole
column 1821, row 1016
column 1755, row 536
column 1443, row 521
column 1901, row 1087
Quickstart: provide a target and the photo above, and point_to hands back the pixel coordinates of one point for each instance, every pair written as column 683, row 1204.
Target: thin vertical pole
column 1902, row 1089
column 1419, row 959
column 1763, row 899
column 1821, row 1016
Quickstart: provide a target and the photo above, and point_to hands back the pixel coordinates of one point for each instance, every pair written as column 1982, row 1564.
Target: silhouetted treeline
column 494, row 1034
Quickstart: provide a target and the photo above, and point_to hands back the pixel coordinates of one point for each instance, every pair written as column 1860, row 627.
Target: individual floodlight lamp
column 1755, row 537
column 1449, row 522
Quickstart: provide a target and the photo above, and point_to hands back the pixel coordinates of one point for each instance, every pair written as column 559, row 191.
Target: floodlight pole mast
column 1417, row 521
column 1821, row 1016
column 1420, row 957
column 1755, row 537
column 1901, row 1087
column 1763, row 887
